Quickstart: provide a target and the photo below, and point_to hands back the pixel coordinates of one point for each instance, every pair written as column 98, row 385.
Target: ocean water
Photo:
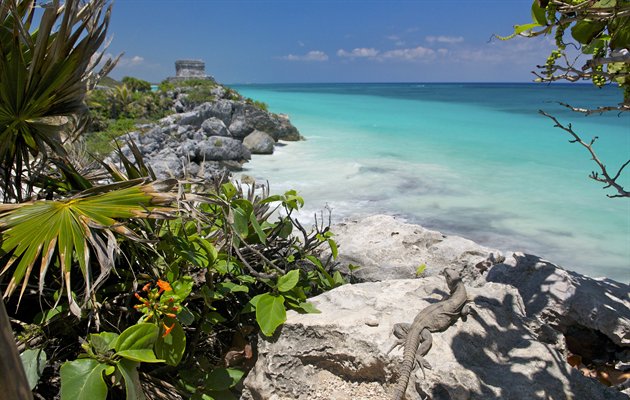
column 476, row 160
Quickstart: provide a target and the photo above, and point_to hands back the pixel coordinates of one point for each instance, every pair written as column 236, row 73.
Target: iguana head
column 452, row 278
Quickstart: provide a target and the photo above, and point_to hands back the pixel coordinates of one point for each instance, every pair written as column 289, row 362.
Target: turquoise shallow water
column 475, row 160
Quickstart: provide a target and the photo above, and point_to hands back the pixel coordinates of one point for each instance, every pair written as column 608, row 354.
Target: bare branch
column 599, row 110
column 605, row 177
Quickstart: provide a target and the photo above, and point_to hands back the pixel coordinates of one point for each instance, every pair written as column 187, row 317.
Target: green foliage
column 261, row 105
column 109, row 353
column 33, row 361
column 43, row 80
column 600, row 29
column 102, row 143
column 136, row 85
column 136, row 277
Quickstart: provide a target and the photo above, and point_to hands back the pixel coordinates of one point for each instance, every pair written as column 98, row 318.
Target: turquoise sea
column 476, row 160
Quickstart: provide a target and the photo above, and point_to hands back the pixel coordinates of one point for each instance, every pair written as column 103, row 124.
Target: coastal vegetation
column 118, row 285
column 599, row 31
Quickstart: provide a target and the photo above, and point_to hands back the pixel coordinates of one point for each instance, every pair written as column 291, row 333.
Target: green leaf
column 82, row 379
column 139, row 355
column 272, row 198
column 129, row 371
column 584, row 30
column 216, row 395
column 338, row 279
column 539, row 14
column 241, row 222
column 33, row 361
column 257, row 228
column 172, row 346
column 103, row 342
column 270, row 313
column 136, row 343
column 333, row 248
column 289, row 280
column 223, row 378
column 47, row 315
column 231, row 287
column 605, row 4
column 420, row 269
column 307, row 307
column 620, row 33
column 185, row 316
column 353, row 267
column 181, row 288
column 287, row 228
column 228, row 189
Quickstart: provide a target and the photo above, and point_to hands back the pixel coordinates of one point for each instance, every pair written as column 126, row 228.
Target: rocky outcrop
column 388, row 248
column 210, row 134
column 530, row 318
column 341, row 353
column 563, row 299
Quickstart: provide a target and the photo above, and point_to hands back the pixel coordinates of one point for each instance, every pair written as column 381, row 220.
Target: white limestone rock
column 490, row 355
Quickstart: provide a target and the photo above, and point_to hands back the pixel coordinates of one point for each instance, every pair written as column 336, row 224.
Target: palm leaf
column 74, row 229
column 44, row 73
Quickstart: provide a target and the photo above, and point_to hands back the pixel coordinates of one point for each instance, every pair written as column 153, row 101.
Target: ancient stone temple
column 190, row 69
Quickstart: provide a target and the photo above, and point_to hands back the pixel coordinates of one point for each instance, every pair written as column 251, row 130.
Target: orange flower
column 146, row 287
column 164, row 286
column 167, row 329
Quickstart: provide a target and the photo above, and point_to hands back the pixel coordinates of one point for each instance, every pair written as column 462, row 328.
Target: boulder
column 214, row 148
column 213, row 126
column 341, row 353
column 221, row 109
column 386, row 247
column 259, row 142
column 283, row 129
column 562, row 299
column 247, row 117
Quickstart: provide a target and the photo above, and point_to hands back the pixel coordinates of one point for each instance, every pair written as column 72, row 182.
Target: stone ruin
column 190, row 69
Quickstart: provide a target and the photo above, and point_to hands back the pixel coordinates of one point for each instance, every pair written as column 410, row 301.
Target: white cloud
column 409, row 54
column 313, row 55
column 445, row 39
column 300, row 43
column 514, row 51
column 130, row 62
column 361, row 52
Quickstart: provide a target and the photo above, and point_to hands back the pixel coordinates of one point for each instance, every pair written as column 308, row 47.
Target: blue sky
column 256, row 41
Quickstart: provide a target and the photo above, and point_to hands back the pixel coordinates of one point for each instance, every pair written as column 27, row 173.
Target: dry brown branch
column 603, row 176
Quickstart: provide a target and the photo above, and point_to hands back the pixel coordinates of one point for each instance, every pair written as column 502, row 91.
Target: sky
column 303, row 41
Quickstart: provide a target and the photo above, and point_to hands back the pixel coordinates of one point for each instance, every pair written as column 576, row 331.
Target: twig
column 605, row 177
column 622, row 107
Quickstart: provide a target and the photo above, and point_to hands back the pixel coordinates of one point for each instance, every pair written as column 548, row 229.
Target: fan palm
column 56, row 232
column 44, row 73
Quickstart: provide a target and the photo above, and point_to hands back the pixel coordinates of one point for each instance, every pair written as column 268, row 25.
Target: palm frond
column 43, row 73
column 74, row 230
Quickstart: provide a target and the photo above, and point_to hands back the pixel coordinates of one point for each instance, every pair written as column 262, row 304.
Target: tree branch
column 605, row 177
column 599, row 110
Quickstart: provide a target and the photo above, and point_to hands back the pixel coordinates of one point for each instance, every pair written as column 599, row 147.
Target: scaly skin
column 434, row 318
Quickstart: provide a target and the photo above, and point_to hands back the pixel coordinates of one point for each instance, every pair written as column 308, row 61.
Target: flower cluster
column 157, row 306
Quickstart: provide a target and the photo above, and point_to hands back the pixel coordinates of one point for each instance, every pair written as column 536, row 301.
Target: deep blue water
column 470, row 159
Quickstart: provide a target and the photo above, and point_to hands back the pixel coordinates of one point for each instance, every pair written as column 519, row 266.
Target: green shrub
column 261, row 105
column 101, row 143
column 136, row 85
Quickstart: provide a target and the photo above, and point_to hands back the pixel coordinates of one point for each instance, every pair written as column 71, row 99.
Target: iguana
column 416, row 337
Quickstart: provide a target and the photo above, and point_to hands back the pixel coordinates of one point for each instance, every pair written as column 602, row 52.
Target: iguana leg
column 400, row 331
column 425, row 345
